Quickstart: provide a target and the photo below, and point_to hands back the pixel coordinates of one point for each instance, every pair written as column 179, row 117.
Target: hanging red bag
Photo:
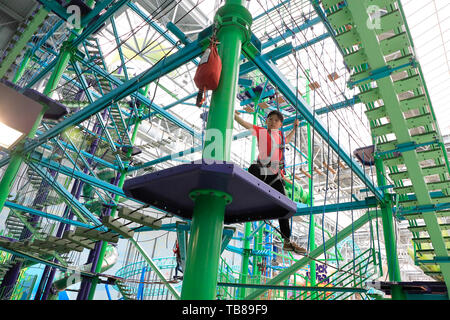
column 208, row 72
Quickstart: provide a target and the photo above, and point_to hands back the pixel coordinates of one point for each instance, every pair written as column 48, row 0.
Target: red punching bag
column 208, row 72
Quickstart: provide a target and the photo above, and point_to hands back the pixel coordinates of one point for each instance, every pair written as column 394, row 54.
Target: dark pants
column 276, row 182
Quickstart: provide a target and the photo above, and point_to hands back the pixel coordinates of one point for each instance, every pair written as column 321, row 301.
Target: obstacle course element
column 169, row 190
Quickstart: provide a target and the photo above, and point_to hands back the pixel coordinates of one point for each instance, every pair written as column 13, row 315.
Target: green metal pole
column 312, row 223
column 23, row 66
column 389, row 234
column 200, row 276
column 245, row 259
column 259, row 246
column 247, row 230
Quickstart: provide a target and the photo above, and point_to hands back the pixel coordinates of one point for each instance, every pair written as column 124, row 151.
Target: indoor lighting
column 8, row 136
column 18, row 115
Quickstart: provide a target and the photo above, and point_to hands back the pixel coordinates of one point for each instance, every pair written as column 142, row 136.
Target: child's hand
column 296, row 123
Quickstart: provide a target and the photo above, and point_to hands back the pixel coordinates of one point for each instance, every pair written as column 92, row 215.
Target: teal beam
column 330, row 243
column 180, row 154
column 119, row 48
column 46, row 215
column 70, row 199
column 293, row 288
column 290, row 32
column 369, row 202
column 99, row 6
column 70, row 172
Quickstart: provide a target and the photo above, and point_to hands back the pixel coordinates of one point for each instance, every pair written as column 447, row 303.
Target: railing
column 346, row 282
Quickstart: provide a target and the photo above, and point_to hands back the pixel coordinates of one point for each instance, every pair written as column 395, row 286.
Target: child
column 270, row 163
column 176, row 251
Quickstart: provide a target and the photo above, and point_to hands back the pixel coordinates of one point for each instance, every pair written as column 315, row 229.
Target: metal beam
column 46, row 215
column 74, row 203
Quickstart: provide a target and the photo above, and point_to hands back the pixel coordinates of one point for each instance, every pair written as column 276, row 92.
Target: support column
column 389, row 234
column 200, row 276
column 247, row 230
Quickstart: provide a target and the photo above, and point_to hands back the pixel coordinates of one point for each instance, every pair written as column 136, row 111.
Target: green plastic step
column 413, row 103
column 404, row 190
column 425, row 137
column 397, row 176
column 418, row 215
column 359, row 76
column 427, row 251
column 348, row 39
column 428, row 240
column 382, row 130
column 376, row 113
column 407, row 84
column 356, row 58
column 390, row 21
column 409, row 203
column 440, row 185
column 394, row 44
column 445, row 226
column 369, row 96
column 433, row 274
column 387, row 146
column 430, row 154
column 440, row 200
column 340, row 18
column 395, row 63
column 428, row 171
column 419, row 121
column 393, row 161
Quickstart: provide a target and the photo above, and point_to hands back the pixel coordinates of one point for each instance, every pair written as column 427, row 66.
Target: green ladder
column 380, row 54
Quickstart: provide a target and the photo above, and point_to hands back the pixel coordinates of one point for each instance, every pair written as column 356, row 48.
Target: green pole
column 258, row 259
column 202, row 264
column 245, row 259
column 389, row 234
column 23, row 66
column 26, row 35
column 312, row 223
column 16, row 159
column 247, row 230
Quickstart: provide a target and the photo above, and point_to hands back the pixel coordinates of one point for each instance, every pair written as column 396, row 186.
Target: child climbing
column 269, row 166
column 176, row 251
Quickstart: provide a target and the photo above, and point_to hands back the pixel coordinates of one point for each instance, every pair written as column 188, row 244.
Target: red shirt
column 265, row 144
